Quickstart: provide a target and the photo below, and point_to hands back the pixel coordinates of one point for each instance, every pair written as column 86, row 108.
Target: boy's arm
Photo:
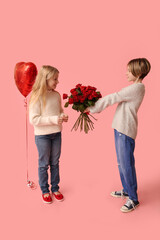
column 126, row 94
column 36, row 119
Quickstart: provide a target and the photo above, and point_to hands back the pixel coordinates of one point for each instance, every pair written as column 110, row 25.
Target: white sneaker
column 129, row 206
column 119, row 194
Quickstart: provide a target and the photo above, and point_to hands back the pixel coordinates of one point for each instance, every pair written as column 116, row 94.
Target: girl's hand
column 86, row 110
column 65, row 118
column 60, row 120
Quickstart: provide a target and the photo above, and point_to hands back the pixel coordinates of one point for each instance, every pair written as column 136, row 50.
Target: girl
column 46, row 115
column 125, row 127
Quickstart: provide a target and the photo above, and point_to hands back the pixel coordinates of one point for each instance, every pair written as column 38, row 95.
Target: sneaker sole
column 116, row 196
column 130, row 210
column 47, row 202
column 59, row 200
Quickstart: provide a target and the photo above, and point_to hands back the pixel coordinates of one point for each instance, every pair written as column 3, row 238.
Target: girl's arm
column 36, row 119
column 61, row 110
column 126, row 94
column 63, row 115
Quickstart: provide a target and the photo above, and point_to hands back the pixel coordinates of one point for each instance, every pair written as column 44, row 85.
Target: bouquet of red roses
column 82, row 97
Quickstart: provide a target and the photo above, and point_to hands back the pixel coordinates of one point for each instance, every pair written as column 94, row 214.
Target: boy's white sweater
column 129, row 99
column 45, row 121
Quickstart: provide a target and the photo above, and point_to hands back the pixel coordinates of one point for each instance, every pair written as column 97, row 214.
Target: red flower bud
column 65, row 96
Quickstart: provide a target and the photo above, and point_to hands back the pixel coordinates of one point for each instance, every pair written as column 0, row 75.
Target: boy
column 125, row 124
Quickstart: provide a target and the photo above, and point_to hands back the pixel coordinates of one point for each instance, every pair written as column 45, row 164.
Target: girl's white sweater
column 45, row 121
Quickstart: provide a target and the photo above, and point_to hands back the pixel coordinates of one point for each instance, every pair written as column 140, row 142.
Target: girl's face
column 52, row 82
column 130, row 76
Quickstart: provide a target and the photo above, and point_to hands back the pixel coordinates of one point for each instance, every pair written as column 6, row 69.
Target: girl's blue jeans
column 49, row 150
column 126, row 163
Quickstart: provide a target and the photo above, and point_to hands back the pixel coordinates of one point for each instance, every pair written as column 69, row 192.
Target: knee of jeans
column 55, row 163
column 43, row 168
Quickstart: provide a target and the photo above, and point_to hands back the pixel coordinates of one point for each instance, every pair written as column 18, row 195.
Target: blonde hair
column 39, row 88
column 139, row 67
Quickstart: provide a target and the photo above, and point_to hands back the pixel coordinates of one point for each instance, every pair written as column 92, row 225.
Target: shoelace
column 122, row 194
column 129, row 201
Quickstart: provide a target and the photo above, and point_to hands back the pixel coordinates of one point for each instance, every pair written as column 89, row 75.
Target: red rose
column 82, row 99
column 73, row 90
column 90, row 97
column 89, row 92
column 78, row 85
column 75, row 99
column 85, row 95
column 75, row 93
column 91, row 88
column 94, row 94
column 70, row 100
column 65, row 96
column 83, row 89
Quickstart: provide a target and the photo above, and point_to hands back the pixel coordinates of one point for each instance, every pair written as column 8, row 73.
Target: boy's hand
column 86, row 110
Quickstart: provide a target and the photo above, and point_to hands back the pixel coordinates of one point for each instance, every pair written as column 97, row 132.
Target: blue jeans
column 126, row 163
column 49, row 149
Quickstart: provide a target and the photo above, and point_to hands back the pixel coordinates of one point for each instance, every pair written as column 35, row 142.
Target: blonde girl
column 46, row 115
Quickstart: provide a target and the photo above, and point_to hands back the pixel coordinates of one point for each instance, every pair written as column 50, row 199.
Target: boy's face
column 130, row 76
column 52, row 82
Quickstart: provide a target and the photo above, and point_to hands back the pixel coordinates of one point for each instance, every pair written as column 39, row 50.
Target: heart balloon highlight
column 24, row 75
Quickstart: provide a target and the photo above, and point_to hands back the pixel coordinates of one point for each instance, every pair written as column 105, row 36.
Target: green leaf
column 66, row 104
column 78, row 91
column 89, row 103
column 75, row 107
column 81, row 107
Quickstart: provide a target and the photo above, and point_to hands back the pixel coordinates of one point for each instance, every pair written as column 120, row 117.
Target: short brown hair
column 139, row 67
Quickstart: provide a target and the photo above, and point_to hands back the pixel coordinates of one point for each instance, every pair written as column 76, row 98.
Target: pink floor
column 90, row 42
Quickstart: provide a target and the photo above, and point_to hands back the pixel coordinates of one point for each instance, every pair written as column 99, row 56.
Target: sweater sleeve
column 125, row 94
column 36, row 119
column 61, row 109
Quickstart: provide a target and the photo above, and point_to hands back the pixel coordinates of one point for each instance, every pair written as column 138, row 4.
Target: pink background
column 90, row 42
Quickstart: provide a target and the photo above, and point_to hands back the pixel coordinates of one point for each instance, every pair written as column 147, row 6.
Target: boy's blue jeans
column 49, row 149
column 126, row 163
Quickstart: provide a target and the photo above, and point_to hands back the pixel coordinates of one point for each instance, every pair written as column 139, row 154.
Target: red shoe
column 47, row 198
column 59, row 197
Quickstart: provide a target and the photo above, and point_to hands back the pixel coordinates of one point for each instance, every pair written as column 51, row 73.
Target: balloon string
column 25, row 105
column 29, row 183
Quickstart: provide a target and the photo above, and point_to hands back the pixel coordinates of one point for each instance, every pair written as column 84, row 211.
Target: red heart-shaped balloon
column 24, row 75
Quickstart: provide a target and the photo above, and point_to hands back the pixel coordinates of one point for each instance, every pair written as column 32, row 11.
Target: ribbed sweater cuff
column 54, row 119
